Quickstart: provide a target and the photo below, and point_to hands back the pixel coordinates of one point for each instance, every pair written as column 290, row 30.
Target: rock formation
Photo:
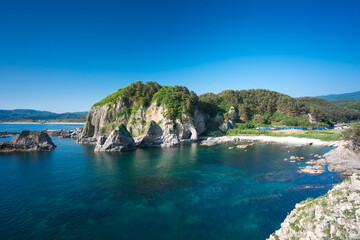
column 335, row 215
column 28, row 141
column 180, row 114
column 76, row 133
column 149, row 126
column 344, row 159
column 119, row 140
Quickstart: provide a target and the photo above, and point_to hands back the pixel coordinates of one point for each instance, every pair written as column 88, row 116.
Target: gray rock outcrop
column 28, row 141
column 335, row 215
column 344, row 159
column 154, row 136
column 76, row 133
column 119, row 140
column 229, row 124
column 101, row 120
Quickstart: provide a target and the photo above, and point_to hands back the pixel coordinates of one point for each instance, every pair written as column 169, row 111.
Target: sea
column 187, row 192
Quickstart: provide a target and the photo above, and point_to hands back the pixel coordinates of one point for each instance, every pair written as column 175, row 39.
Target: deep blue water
column 189, row 192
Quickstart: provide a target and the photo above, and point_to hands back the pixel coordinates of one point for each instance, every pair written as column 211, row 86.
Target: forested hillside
column 332, row 111
column 258, row 106
column 348, row 104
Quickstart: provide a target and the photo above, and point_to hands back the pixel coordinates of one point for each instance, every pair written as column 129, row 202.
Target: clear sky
column 66, row 55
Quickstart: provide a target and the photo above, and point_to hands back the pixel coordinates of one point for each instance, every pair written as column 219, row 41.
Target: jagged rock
column 101, row 120
column 229, row 124
column 154, row 136
column 28, row 141
column 86, row 140
column 119, row 140
column 332, row 216
column 315, row 169
column 233, row 111
column 200, row 120
column 65, row 133
column 343, row 159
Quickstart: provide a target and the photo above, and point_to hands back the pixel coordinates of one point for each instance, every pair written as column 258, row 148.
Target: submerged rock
column 315, row 169
column 28, row 141
column 119, row 140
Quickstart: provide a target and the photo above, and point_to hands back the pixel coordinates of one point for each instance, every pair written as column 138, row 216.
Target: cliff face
column 335, row 215
column 181, row 115
column 102, row 120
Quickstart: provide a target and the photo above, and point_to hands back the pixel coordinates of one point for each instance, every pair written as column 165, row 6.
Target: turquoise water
column 189, row 192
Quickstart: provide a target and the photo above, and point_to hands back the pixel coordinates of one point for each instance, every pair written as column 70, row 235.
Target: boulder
column 119, row 140
column 28, row 141
column 200, row 120
column 229, row 124
column 152, row 136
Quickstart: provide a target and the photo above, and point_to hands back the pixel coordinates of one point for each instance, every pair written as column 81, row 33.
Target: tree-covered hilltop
column 260, row 106
column 330, row 110
column 178, row 99
column 254, row 105
column 140, row 103
column 348, row 104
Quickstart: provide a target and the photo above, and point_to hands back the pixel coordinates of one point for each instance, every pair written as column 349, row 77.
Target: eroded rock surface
column 336, row 215
column 344, row 159
column 28, row 141
column 119, row 140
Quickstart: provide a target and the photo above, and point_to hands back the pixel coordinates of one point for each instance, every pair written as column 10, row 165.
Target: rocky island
column 28, row 141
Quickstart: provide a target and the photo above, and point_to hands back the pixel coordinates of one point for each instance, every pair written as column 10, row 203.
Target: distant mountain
column 34, row 115
column 344, row 96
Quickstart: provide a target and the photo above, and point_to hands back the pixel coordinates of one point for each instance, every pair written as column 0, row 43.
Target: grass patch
column 324, row 135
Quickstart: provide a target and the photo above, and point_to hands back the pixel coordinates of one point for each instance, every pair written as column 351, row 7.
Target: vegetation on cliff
column 245, row 109
column 352, row 134
column 178, row 99
column 332, row 216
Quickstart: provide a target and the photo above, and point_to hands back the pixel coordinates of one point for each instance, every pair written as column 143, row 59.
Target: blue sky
column 66, row 55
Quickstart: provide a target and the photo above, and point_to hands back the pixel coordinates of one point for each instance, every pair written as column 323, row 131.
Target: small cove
column 191, row 192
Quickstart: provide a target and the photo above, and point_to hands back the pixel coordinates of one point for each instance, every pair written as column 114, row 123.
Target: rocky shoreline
column 335, row 215
column 210, row 141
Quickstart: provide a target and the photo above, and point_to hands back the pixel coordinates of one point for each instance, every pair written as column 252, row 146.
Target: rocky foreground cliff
column 336, row 215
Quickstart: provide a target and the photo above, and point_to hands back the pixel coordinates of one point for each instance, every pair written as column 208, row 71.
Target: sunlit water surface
column 188, row 192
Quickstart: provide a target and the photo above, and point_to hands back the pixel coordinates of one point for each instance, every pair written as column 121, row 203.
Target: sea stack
column 28, row 141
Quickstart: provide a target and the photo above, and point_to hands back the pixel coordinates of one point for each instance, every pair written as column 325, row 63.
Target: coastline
column 65, row 123
column 210, row 141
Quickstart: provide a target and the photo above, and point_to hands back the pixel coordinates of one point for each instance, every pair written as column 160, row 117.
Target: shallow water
column 189, row 192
